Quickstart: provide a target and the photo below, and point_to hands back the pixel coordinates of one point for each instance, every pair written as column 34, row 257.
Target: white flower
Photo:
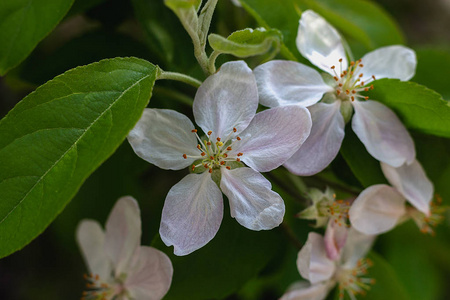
column 224, row 107
column 119, row 267
column 379, row 208
column 290, row 83
column 324, row 272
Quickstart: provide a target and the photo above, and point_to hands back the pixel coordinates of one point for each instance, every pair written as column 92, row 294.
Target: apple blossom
column 119, row 267
column 379, row 208
column 224, row 108
column 290, row 83
column 324, row 272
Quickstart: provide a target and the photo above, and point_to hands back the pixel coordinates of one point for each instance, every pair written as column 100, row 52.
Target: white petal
column 383, row 134
column 324, row 142
column 282, row 82
column 389, row 62
column 377, row 209
column 192, row 213
column 273, row 136
column 252, row 201
column 162, row 136
column 335, row 238
column 151, row 275
column 356, row 247
column 312, row 260
column 412, row 182
column 226, row 100
column 123, row 233
column 305, row 291
column 91, row 239
column 320, row 42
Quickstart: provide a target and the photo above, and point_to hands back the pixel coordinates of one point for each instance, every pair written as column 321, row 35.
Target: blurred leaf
column 91, row 47
column 58, row 135
column 232, row 258
column 433, row 69
column 364, row 21
column 418, row 107
column 407, row 250
column 366, row 168
column 246, row 42
column 24, row 23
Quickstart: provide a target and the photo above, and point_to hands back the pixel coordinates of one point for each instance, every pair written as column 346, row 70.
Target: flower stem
column 180, row 97
column 179, row 77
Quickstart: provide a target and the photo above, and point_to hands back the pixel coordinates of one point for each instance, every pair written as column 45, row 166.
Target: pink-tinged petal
column 377, row 209
column 252, row 201
column 412, row 182
column 324, row 142
column 162, row 136
column 226, row 100
column 389, row 62
column 282, row 82
column 320, row 42
column 273, row 136
column 356, row 247
column 382, row 133
column 192, row 213
column 313, row 262
column 123, row 233
column 151, row 275
column 91, row 239
column 335, row 238
column 303, row 290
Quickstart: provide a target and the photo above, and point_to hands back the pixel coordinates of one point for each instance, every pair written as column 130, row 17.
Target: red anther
column 209, row 132
column 338, row 92
column 238, row 159
column 342, row 75
column 193, row 167
column 97, row 277
column 351, row 73
column 203, row 154
column 347, row 92
column 340, row 59
column 184, row 156
column 218, row 139
column 211, row 157
column 366, row 98
column 238, row 138
column 336, row 78
column 194, row 130
column 240, row 154
column 373, row 76
column 208, row 143
column 353, row 92
column 228, row 167
column 361, row 75
column 361, row 65
column 366, row 89
column 222, row 163
column 345, row 72
column 210, row 171
column 229, row 148
column 206, row 166
column 371, row 87
column 353, row 98
column 340, row 84
column 352, row 63
column 225, row 155
column 359, row 60
column 234, row 129
column 333, row 67
column 199, row 147
column 362, row 83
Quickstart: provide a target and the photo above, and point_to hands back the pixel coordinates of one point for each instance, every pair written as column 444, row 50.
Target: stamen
column 240, row 154
column 194, row 130
column 234, row 129
column 228, row 167
column 184, row 156
column 209, row 132
column 238, row 138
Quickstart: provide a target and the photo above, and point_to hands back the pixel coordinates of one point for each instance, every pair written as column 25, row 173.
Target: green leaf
column 364, row 21
column 24, row 23
column 225, row 264
column 433, row 69
column 366, row 168
column 418, row 107
column 282, row 15
column 246, row 42
column 58, row 135
column 183, row 4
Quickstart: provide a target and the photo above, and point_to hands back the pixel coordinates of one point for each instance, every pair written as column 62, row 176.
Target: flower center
column 352, row 282
column 349, row 82
column 426, row 223
column 215, row 154
column 97, row 288
column 334, row 209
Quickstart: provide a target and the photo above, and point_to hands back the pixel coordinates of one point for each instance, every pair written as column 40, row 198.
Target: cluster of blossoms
column 303, row 130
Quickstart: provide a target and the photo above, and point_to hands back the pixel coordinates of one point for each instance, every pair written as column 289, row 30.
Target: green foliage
column 23, row 24
column 418, row 107
column 58, row 135
column 433, row 69
column 246, row 42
